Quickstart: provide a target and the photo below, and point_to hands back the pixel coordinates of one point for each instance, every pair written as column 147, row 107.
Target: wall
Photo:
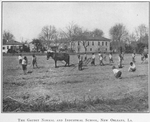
column 93, row 48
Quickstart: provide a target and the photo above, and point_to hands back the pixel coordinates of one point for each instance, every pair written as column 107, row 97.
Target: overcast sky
column 26, row 19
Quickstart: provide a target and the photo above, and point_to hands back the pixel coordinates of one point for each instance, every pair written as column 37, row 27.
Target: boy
column 120, row 61
column 20, row 59
column 110, row 58
column 24, row 64
column 80, row 63
column 93, row 59
column 132, row 67
column 142, row 58
column 34, row 61
column 133, row 57
column 117, row 72
column 85, row 56
column 100, row 59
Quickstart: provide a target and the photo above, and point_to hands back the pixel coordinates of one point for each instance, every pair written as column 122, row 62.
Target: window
column 102, row 43
column 90, row 49
column 92, row 43
column 106, row 43
column 98, row 43
column 3, row 48
column 88, row 43
column 7, row 47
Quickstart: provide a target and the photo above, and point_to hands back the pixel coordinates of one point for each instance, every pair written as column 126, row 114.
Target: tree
column 141, row 31
column 7, row 36
column 48, row 35
column 73, row 32
column 98, row 32
column 37, row 44
column 119, row 34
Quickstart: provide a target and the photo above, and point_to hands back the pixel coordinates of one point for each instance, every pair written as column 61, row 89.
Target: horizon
column 25, row 20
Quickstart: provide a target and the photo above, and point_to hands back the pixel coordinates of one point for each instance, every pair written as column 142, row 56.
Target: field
column 66, row 89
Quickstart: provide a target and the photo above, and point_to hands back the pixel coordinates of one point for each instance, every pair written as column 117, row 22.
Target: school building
column 92, row 44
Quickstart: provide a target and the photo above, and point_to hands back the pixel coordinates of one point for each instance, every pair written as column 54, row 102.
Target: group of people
column 23, row 61
column 102, row 56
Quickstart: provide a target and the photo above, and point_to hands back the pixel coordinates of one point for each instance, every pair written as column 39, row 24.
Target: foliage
column 37, row 44
column 25, row 48
column 128, row 48
column 118, row 32
column 97, row 33
column 7, row 36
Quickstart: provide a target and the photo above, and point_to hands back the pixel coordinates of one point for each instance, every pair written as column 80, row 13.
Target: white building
column 11, row 45
column 93, row 44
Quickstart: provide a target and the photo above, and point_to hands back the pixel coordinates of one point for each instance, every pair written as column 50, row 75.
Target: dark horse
column 59, row 57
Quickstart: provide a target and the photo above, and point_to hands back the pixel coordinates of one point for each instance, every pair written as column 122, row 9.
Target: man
column 93, row 59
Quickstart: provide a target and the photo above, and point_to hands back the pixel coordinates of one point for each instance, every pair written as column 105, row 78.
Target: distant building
column 14, row 45
column 94, row 44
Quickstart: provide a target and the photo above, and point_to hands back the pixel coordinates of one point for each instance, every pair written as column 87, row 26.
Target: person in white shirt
column 20, row 59
column 93, row 59
column 24, row 64
column 117, row 72
column 100, row 59
column 132, row 67
column 110, row 58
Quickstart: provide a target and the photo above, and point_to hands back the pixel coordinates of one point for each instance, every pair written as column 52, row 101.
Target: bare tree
column 48, row 35
column 7, row 36
column 141, row 31
column 73, row 32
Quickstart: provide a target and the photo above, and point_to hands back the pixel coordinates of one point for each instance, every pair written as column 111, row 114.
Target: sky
column 25, row 20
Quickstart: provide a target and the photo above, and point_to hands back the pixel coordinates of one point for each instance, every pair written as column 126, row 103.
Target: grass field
column 65, row 89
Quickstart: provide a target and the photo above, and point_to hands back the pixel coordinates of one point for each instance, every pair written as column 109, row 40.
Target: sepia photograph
column 74, row 57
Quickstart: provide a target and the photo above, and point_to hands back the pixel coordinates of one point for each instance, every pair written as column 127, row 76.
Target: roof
column 13, row 43
column 91, row 38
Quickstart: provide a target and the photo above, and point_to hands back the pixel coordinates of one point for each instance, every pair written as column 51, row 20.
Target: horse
column 59, row 57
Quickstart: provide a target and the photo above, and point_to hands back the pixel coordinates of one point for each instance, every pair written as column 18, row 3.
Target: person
column 34, row 61
column 24, row 64
column 93, row 59
column 142, row 58
column 100, row 59
column 117, row 72
column 132, row 67
column 80, row 63
column 104, row 56
column 110, row 58
column 120, row 61
column 85, row 56
column 20, row 59
column 133, row 57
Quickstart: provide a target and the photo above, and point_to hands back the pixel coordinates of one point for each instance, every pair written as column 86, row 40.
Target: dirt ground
column 94, row 85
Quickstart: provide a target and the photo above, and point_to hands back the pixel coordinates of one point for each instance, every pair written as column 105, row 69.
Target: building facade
column 94, row 44
column 14, row 45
